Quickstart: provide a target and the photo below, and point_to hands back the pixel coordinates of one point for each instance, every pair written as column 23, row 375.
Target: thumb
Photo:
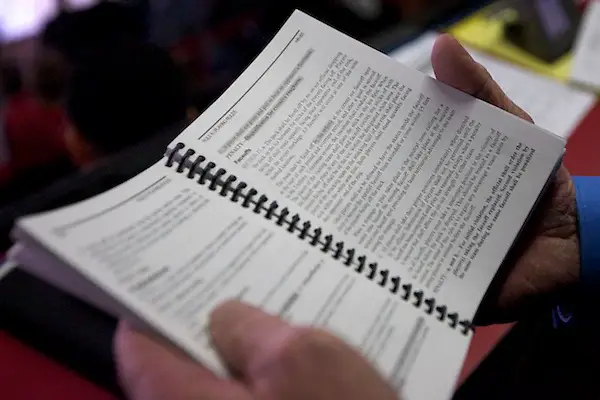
column 454, row 66
column 283, row 362
column 245, row 336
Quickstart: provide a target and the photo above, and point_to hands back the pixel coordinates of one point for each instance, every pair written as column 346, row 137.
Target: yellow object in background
column 485, row 31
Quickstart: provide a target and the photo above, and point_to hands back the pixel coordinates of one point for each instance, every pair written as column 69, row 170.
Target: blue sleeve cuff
column 588, row 211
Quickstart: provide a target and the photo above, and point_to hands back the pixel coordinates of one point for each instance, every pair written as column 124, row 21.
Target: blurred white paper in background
column 552, row 105
column 586, row 59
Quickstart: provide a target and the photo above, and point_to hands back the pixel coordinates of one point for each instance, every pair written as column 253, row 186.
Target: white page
column 170, row 250
column 552, row 105
column 430, row 181
column 586, row 59
column 48, row 267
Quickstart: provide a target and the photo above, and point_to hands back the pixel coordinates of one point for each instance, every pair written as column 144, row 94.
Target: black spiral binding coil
column 209, row 174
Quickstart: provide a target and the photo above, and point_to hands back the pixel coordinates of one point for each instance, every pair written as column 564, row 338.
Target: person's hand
column 268, row 359
column 546, row 260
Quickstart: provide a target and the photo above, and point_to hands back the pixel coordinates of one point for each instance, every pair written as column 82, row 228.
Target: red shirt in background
column 34, row 132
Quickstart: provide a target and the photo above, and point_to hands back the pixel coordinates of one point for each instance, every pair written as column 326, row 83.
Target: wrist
column 588, row 232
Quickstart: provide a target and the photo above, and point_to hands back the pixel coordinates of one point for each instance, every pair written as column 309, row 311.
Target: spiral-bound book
column 329, row 185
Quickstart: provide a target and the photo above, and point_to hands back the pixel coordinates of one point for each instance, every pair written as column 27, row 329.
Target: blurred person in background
column 33, row 131
column 120, row 97
column 77, row 35
column 116, row 94
column 124, row 102
column 51, row 77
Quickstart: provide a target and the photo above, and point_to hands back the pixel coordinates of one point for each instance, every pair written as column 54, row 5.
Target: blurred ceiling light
column 24, row 18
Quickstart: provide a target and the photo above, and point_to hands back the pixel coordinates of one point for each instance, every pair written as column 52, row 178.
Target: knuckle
column 484, row 70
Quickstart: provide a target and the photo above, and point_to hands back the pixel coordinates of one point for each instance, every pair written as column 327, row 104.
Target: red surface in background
column 484, row 341
column 583, row 149
column 26, row 374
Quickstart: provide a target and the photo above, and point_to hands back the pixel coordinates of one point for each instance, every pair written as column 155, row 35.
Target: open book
column 329, row 185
